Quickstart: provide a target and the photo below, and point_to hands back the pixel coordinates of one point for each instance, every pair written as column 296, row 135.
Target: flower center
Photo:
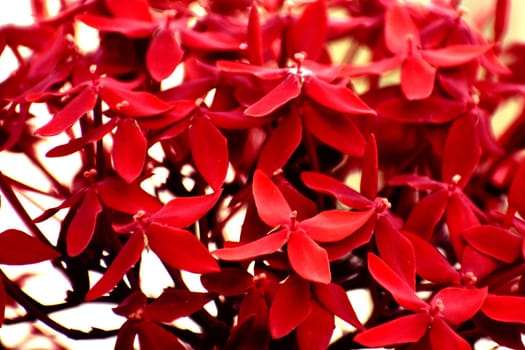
column 293, row 220
column 382, row 204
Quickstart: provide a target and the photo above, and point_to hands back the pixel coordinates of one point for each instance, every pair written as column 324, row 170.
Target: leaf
column 458, row 304
column 334, row 129
column 454, row 55
column 18, row 248
column 496, row 242
column 132, row 103
column 399, row 28
column 417, row 78
column 184, row 211
column 209, row 150
column 82, row 227
column 335, row 97
column 175, row 303
column 288, row 89
column 443, row 337
column 125, row 259
column 401, row 330
column 290, row 306
column 308, row 259
column 163, row 55
column 129, row 150
column 316, row 330
column 180, row 249
column 263, row 246
column 112, row 190
column 335, row 225
column 303, row 36
column 505, row 308
column 154, row 337
column 228, row 282
column 281, row 144
column 131, row 28
column 70, row 114
column 254, row 49
column 334, row 299
column 271, row 205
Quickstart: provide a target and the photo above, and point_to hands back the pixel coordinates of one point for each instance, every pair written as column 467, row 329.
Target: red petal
column 302, row 36
column 129, row 150
column 426, row 214
column 341, row 249
column 462, row 151
column 417, row 78
column 496, row 242
column 112, row 190
column 501, row 19
column 209, row 41
column 130, row 28
column 132, row 103
column 290, row 306
column 133, row 302
column 267, row 73
column 369, row 176
column 126, row 336
column 334, row 129
column 83, row 224
column 254, row 50
column 459, row 304
column 175, row 303
column 443, row 337
column 404, row 329
column 399, row 28
column 335, row 225
column 18, row 248
column 316, row 330
column 281, row 144
column 184, row 211
column 154, row 337
column 271, row 205
column 125, row 259
column 209, row 150
column 266, row 245
column 135, row 9
column 228, row 282
column 287, row 90
column 180, row 249
column 308, row 259
column 163, row 55
column 401, row 291
column 417, row 182
column 454, row 55
column 71, row 113
column 505, row 308
column 334, row 298
column 335, row 97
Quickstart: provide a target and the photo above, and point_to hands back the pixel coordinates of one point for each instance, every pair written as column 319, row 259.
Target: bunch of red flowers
column 260, row 113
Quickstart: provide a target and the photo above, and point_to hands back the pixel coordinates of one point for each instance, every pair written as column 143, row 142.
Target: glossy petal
column 163, row 55
column 341, row 249
column 184, row 211
column 132, row 103
column 370, row 169
column 336, row 97
column 454, row 55
column 290, row 306
column 501, row 19
column 458, row 304
column 175, row 303
column 83, row 224
column 153, row 337
column 335, row 225
column 209, row 41
column 426, row 214
column 285, row 91
column 505, row 308
column 112, row 190
column 209, row 150
column 281, row 144
column 271, row 205
column 315, row 332
column 496, row 242
column 302, row 36
column 443, row 337
column 129, row 150
column 255, row 48
column 134, row 9
column 229, row 281
column 180, row 249
column 417, row 78
column 334, row 298
column 126, row 336
column 516, row 194
column 130, row 28
column 266, row 245
column 433, row 110
column 404, row 329
column 18, row 248
column 125, row 259
column 399, row 28
column 308, row 259
column 70, row 114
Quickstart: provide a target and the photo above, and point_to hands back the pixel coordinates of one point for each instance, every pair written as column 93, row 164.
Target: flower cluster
column 312, row 148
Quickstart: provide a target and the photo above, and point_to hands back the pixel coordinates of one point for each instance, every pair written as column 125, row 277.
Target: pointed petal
column 443, row 337
column 262, row 72
column 132, row 103
column 316, row 330
column 271, row 205
column 209, row 41
column 134, row 9
column 125, row 259
column 462, row 151
column 254, row 38
column 228, row 282
column 302, row 36
column 496, row 242
column 112, row 190
column 130, row 28
column 454, row 55
column 308, row 259
column 126, row 336
column 334, row 129
column 209, row 150
column 184, row 211
column 399, row 28
column 335, row 97
column 281, row 144
column 417, row 78
column 18, row 248
column 404, row 329
column 505, row 308
column 70, row 114
column 153, row 337
column 163, row 55
column 287, row 90
column 175, row 303
column 180, row 249
column 369, row 176
column 516, row 194
column 266, row 245
column 501, row 19
column 458, row 304
column 334, row 298
column 290, row 306
column 401, row 291
column 129, row 150
column 335, row 225
column 426, row 214
column 83, row 224
column 341, row 249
